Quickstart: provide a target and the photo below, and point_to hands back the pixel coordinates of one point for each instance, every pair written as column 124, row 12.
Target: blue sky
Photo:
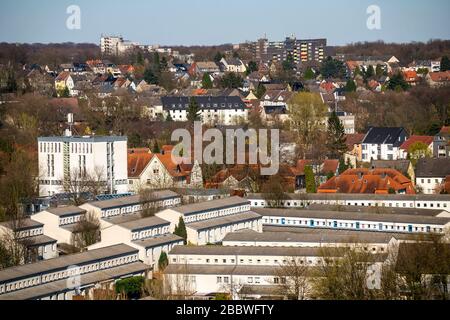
column 209, row 22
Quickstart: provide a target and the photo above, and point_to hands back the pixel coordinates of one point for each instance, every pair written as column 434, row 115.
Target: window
column 219, row 279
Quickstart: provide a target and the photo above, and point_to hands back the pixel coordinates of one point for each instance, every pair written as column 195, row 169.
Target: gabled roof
column 382, row 135
column 63, row 76
column 362, row 180
column 352, row 139
column 427, row 167
column 440, row 76
column 414, row 139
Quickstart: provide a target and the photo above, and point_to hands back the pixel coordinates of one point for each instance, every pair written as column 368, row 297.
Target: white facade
column 110, row 45
column 429, row 185
column 213, row 116
column 379, row 152
column 100, row 158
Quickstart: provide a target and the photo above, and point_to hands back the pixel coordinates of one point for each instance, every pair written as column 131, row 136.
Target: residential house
column 438, row 79
column 405, row 167
column 383, row 143
column 441, row 143
column 405, row 147
column 158, row 171
column 223, row 110
column 322, row 169
column 378, row 181
column 354, row 148
column 64, row 81
column 411, row 77
column 204, row 67
column 233, row 65
column 431, row 174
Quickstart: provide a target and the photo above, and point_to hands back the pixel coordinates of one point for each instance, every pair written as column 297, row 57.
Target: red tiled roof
column 355, row 138
column 368, row 181
column 413, row 139
column 445, row 130
column 440, row 76
column 137, row 162
column 63, row 76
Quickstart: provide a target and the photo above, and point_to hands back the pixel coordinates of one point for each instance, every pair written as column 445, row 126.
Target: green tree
column 218, row 57
column 11, row 83
column 350, row 86
column 150, row 76
column 397, row 82
column 180, row 230
column 336, row 137
column 140, row 58
column 232, row 80
column 445, row 63
column 309, row 74
column 332, row 68
column 169, row 117
column 370, row 72
column 156, row 148
column 289, row 63
column 131, row 287
column 163, row 261
column 206, row 81
column 357, row 71
column 343, row 166
column 193, row 110
column 260, row 91
column 379, row 71
column 65, row 93
column 418, row 150
column 310, row 180
column 252, row 67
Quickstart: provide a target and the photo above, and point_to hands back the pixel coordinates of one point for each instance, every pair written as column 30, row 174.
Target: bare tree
column 149, row 201
column 86, row 231
column 80, row 185
column 293, row 279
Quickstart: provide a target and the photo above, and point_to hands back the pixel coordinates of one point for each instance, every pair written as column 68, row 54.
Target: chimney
column 360, row 175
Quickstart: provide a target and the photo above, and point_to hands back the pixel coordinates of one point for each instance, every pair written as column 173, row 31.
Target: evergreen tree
column 163, row 261
column 310, row 180
column 156, row 148
column 206, row 81
column 397, row 83
column 357, row 71
column 140, row 58
column 260, row 91
column 169, row 117
column 232, row 80
column 350, row 86
column 193, row 110
column 252, row 67
column 445, row 63
column 379, row 70
column 218, row 57
column 343, row 166
column 336, row 137
column 11, row 83
column 370, row 72
column 309, row 74
column 180, row 230
column 150, row 77
column 333, row 68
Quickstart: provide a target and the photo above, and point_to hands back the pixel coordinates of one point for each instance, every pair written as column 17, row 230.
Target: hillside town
column 97, row 202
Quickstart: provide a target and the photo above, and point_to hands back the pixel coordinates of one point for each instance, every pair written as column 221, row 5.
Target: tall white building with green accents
column 68, row 160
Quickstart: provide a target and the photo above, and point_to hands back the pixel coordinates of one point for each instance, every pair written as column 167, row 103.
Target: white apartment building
column 30, row 233
column 49, row 280
column 418, row 201
column 149, row 235
column 209, row 222
column 383, row 143
column 431, row 174
column 376, row 222
column 207, row 270
column 69, row 159
column 109, row 45
column 223, row 110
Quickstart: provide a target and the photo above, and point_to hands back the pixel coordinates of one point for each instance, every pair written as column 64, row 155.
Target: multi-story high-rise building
column 68, row 163
column 109, row 45
column 300, row 50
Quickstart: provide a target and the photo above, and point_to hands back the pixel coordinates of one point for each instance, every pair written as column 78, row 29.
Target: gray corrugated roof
column 289, row 237
column 22, row 224
column 248, row 251
column 211, row 205
column 354, row 216
column 64, row 262
column 347, row 233
column 386, row 210
column 130, row 200
column 433, row 168
column 144, row 223
column 350, row 197
column 66, row 211
column 219, row 269
column 85, row 280
column 158, row 240
column 223, row 221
